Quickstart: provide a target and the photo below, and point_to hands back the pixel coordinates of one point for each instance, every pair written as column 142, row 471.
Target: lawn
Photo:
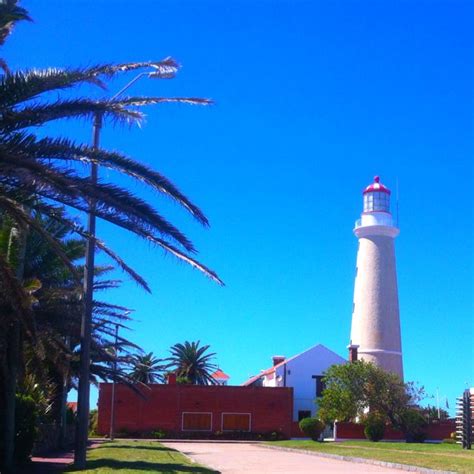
column 447, row 457
column 138, row 456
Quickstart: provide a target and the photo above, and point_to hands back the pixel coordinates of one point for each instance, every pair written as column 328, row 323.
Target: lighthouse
column 375, row 331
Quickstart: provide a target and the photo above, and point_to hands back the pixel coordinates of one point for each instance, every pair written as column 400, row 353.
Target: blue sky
column 313, row 98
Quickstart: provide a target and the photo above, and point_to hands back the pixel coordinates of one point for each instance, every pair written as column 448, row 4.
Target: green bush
column 93, row 417
column 312, row 427
column 71, row 416
column 374, row 427
column 413, row 425
column 158, row 434
column 26, row 418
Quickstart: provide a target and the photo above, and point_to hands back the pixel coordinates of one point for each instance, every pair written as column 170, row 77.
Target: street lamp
column 160, row 71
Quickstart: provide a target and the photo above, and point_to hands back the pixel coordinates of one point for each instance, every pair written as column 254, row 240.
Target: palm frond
column 55, row 213
column 40, row 114
column 21, row 86
column 166, row 68
column 19, row 215
column 63, row 149
column 112, row 203
column 142, row 101
column 26, row 85
column 15, row 297
column 10, row 13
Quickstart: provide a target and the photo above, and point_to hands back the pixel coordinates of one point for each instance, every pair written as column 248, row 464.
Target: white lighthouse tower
column 375, row 332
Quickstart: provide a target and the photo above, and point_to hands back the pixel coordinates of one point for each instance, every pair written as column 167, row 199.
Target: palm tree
column 147, row 368
column 41, row 175
column 191, row 362
column 51, row 357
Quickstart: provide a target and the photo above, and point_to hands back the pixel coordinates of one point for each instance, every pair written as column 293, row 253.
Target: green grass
column 138, row 456
column 447, row 457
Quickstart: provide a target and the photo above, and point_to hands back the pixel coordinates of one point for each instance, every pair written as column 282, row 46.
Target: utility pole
column 160, row 71
column 82, row 424
column 112, row 401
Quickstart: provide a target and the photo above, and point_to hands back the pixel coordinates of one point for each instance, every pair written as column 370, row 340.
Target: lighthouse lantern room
column 376, row 197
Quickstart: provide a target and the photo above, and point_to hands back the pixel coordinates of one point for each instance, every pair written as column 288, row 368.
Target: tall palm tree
column 41, row 175
column 52, row 355
column 147, row 368
column 190, row 361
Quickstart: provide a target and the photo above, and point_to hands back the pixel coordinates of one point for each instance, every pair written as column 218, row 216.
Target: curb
column 374, row 462
column 174, row 440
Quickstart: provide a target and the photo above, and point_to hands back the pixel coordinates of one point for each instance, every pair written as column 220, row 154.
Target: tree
column 191, row 362
column 50, row 366
column 433, row 413
column 353, row 388
column 147, row 368
column 40, row 175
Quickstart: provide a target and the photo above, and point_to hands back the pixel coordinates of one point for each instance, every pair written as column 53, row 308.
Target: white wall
column 299, row 372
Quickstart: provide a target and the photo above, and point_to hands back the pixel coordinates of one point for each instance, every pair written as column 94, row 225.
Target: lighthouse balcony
column 375, row 219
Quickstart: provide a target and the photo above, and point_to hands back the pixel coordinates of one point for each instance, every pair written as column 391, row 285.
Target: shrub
column 374, row 427
column 448, row 441
column 26, row 417
column 273, row 436
column 158, row 434
column 413, row 426
column 93, row 415
column 71, row 416
column 312, row 427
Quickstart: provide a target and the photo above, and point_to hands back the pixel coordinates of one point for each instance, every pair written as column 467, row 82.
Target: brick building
column 187, row 409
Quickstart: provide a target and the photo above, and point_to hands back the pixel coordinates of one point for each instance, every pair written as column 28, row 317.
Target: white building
column 303, row 372
column 375, row 332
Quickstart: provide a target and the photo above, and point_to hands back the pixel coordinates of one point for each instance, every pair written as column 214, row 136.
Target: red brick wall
column 295, row 430
column 270, row 408
column 435, row 431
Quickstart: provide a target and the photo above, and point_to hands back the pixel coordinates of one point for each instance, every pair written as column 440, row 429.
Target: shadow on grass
column 130, row 446
column 114, row 464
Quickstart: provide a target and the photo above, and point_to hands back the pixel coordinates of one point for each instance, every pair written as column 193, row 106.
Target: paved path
column 54, row 462
column 230, row 458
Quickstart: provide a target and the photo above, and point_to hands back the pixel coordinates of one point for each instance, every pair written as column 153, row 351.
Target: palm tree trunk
column 16, row 245
column 65, row 389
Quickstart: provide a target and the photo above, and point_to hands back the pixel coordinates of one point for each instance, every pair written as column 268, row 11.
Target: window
column 376, row 201
column 197, row 421
column 320, row 386
column 303, row 414
column 235, row 421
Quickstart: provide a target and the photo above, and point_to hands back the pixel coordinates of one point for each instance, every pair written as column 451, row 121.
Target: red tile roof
column 218, row 374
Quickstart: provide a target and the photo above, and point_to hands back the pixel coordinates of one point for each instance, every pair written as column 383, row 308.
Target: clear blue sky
column 313, row 98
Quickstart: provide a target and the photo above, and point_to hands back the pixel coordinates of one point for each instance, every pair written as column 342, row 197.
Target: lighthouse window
column 376, row 201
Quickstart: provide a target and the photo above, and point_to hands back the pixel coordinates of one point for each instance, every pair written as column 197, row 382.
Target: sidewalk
column 55, row 461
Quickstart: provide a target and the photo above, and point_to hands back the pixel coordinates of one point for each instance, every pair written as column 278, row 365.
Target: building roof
column 376, row 186
column 218, row 374
column 271, row 370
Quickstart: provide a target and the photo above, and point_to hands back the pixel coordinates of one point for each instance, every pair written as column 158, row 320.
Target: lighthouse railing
column 375, row 218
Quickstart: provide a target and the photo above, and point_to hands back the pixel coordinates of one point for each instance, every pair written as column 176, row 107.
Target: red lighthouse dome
column 376, row 197
column 376, row 186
